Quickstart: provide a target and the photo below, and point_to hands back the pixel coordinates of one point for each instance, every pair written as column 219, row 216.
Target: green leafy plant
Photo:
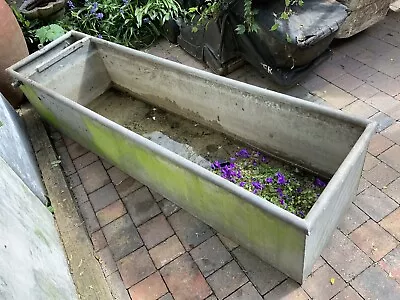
column 133, row 23
column 212, row 11
column 285, row 15
column 249, row 24
column 284, row 185
column 28, row 27
column 49, row 33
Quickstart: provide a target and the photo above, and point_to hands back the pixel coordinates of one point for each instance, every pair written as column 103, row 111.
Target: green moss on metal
column 41, row 236
column 37, row 103
column 213, row 204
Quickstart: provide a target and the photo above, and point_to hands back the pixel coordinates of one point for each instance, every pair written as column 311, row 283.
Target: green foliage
column 134, row 23
column 249, row 15
column 28, row 27
column 51, row 209
column 209, row 12
column 212, row 11
column 284, row 185
column 49, row 33
column 285, row 15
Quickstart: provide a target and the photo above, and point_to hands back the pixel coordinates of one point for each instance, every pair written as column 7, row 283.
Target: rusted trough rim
column 305, row 225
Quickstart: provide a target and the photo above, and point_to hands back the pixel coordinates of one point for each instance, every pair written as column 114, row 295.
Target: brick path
column 151, row 249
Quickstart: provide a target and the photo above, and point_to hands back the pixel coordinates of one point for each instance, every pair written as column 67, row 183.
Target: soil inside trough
column 286, row 185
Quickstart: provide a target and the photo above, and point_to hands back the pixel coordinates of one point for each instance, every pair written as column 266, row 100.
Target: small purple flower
column 299, row 190
column 269, row 180
column 99, row 36
column 280, row 192
column 125, row 2
column 242, row 184
column 318, row 182
column 264, row 159
column 232, row 159
column 281, row 201
column 99, row 15
column 70, row 4
column 94, row 8
column 254, row 163
column 257, row 185
column 215, row 165
column 243, row 153
column 300, row 213
column 281, row 178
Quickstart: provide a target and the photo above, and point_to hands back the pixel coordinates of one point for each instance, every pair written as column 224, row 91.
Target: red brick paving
column 135, row 267
column 374, row 283
column 263, row 276
column 287, row 290
column 391, row 264
column 187, row 260
column 319, row 285
column 98, row 240
column 150, row 288
column 155, row 231
column 348, row 294
column 393, row 190
column 227, row 280
column 345, row 257
column 210, row 255
column 111, row 213
column 375, row 203
column 166, row 251
column 373, row 240
column 391, row 223
column 184, row 270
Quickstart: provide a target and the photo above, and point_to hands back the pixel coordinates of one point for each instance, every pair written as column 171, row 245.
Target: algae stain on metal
column 129, row 156
column 41, row 236
column 37, row 103
column 194, row 192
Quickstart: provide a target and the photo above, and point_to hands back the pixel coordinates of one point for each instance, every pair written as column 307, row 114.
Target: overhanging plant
column 212, row 9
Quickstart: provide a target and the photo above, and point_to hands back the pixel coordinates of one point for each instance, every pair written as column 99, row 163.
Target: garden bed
column 283, row 184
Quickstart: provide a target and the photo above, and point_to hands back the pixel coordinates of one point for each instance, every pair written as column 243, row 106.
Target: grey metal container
column 65, row 76
column 16, row 149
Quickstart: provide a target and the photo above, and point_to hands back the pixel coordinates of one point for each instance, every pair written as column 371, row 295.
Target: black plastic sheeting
column 284, row 55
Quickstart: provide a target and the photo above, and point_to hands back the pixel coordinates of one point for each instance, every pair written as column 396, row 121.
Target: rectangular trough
column 64, row 77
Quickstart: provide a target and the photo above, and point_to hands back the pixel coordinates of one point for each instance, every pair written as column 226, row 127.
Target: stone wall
column 362, row 14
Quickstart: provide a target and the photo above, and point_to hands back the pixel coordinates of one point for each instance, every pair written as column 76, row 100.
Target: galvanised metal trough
column 63, row 78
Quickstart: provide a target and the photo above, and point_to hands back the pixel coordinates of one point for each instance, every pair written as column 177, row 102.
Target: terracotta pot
column 12, row 49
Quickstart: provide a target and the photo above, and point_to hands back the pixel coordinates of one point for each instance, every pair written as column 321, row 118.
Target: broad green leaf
column 274, row 27
column 284, row 15
column 49, row 33
column 240, row 29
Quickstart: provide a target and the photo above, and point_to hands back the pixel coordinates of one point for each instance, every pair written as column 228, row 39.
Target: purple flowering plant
column 133, row 23
column 284, row 185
